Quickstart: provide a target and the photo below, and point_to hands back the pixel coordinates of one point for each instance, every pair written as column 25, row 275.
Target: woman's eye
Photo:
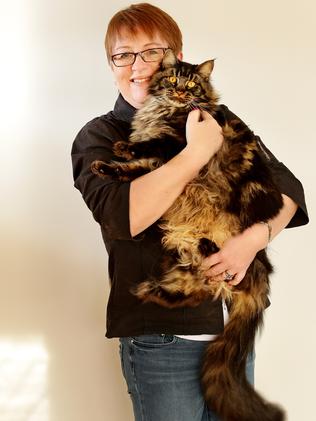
column 123, row 56
column 172, row 79
column 190, row 84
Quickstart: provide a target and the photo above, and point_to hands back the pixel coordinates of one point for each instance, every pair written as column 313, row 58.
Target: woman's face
column 133, row 80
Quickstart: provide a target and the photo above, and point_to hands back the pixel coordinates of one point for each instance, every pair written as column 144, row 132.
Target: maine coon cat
column 232, row 192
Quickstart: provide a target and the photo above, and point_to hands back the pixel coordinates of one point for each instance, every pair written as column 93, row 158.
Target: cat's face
column 183, row 85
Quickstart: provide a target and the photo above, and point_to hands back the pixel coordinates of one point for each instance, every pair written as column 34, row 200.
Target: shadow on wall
column 55, row 364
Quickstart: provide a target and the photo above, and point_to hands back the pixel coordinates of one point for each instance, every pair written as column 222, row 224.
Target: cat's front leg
column 124, row 171
column 163, row 149
column 129, row 150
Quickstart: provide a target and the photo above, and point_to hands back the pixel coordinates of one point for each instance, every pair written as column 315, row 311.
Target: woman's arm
column 239, row 251
column 152, row 194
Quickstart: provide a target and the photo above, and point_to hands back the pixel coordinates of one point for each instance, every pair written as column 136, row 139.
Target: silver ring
column 228, row 276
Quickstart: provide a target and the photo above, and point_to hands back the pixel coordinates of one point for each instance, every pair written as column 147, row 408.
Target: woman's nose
column 138, row 63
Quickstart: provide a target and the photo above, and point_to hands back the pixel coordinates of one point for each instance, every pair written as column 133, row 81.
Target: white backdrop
column 55, row 364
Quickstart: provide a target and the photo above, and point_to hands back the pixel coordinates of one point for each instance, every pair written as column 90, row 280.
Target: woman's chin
column 138, row 95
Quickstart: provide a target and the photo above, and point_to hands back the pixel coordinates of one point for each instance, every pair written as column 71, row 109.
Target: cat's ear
column 169, row 60
column 205, row 69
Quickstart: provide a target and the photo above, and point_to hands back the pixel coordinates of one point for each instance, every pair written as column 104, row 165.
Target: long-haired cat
column 232, row 192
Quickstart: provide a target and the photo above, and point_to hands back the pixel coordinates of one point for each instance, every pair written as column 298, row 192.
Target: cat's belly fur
column 197, row 213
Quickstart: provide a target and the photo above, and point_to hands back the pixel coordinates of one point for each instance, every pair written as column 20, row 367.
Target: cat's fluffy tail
column 226, row 389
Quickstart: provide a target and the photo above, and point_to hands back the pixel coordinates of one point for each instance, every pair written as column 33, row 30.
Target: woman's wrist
column 259, row 234
column 195, row 158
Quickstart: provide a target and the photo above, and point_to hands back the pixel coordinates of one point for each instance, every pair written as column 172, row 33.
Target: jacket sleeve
column 108, row 199
column 286, row 181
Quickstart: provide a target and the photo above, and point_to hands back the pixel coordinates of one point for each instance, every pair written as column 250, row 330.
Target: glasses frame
column 140, row 54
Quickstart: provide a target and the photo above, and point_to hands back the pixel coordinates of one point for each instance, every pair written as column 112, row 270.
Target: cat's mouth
column 179, row 101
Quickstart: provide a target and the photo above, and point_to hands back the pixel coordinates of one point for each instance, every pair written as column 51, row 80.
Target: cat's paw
column 207, row 247
column 123, row 149
column 103, row 170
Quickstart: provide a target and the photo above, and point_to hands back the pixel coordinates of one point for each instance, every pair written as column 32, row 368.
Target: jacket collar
column 123, row 110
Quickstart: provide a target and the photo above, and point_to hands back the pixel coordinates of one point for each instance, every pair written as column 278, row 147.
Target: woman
column 161, row 349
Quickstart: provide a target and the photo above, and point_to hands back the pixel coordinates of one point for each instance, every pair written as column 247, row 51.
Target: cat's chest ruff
column 157, row 119
column 156, row 111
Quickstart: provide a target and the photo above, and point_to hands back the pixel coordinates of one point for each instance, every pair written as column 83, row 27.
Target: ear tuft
column 169, row 60
column 205, row 69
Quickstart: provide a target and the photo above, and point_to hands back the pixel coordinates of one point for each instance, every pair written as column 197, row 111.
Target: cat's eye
column 172, row 79
column 190, row 84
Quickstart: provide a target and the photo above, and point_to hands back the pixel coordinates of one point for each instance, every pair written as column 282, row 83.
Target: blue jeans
column 162, row 373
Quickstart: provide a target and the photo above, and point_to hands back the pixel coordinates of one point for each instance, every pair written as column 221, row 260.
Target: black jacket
column 131, row 260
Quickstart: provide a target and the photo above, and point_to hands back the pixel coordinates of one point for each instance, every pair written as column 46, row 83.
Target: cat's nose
column 180, row 94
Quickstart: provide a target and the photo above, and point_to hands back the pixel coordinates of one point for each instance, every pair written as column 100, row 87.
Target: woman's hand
column 204, row 136
column 236, row 255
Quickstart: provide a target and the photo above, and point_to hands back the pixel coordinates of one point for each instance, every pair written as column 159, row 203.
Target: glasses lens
column 151, row 55
column 154, row 54
column 123, row 59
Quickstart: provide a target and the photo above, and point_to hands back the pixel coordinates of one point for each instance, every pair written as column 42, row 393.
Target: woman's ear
column 180, row 56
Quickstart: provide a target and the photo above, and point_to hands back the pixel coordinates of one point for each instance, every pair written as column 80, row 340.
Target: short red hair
column 143, row 17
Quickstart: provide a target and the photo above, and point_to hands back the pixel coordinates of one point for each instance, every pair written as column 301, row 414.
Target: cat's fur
column 232, row 192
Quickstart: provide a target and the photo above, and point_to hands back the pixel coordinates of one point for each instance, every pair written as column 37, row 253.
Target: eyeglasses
column 151, row 55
